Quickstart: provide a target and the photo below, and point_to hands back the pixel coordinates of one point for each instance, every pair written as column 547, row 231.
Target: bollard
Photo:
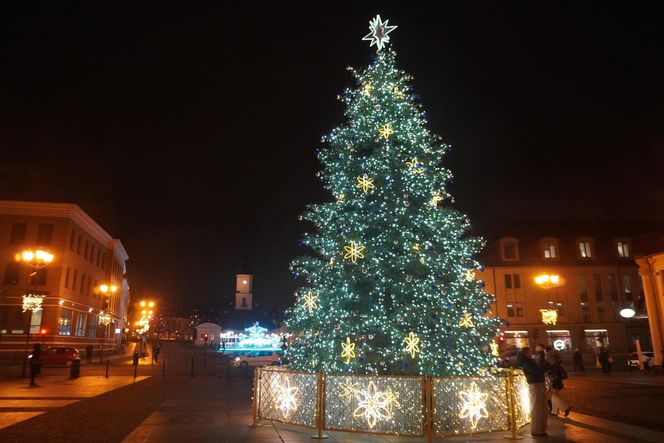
column 254, row 398
column 135, row 362
column 511, row 404
column 428, row 401
column 163, row 369
column 320, row 408
column 75, row 370
column 108, row 362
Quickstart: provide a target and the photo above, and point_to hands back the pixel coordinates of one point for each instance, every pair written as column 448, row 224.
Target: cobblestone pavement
column 626, row 397
column 215, row 406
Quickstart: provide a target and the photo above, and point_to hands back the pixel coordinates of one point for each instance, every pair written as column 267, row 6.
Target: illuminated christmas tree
column 390, row 289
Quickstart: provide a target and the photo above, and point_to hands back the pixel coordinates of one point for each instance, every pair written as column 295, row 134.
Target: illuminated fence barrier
column 400, row 405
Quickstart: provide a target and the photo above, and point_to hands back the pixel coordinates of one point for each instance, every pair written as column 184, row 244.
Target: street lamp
column 547, row 281
column 36, row 260
column 104, row 318
column 147, row 314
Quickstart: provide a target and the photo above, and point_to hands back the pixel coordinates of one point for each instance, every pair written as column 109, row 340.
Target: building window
column 44, row 234
column 17, row 235
column 98, row 257
column 74, row 280
column 613, row 287
column 86, row 252
column 72, row 240
column 82, row 288
column 512, row 281
column 623, row 249
column 35, row 321
column 596, row 338
column 560, row 306
column 92, row 253
column 508, row 281
column 64, row 322
column 601, row 314
column 550, row 249
column 89, row 286
column 80, row 324
column 516, row 339
column 585, row 250
column 585, row 312
column 78, row 245
column 510, row 309
column 92, row 325
column 244, row 302
column 509, row 249
column 519, row 309
column 597, row 284
column 583, row 288
column 627, row 287
column 67, row 272
column 12, row 273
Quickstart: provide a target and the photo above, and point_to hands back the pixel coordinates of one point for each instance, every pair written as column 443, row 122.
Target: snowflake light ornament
column 412, row 342
column 286, row 398
column 379, row 32
column 353, row 252
column 473, row 405
column 374, row 405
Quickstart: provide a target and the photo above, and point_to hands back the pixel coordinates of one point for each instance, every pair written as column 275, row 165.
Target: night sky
column 189, row 130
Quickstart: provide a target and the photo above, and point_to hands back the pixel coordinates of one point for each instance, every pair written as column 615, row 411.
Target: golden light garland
column 353, row 252
column 473, row 405
column 412, row 342
column 348, row 350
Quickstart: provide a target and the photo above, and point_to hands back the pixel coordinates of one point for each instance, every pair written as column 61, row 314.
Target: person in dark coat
column 88, row 353
column 578, row 361
column 605, row 360
column 534, row 372
column 35, row 363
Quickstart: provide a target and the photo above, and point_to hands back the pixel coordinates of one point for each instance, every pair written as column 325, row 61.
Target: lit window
column 623, row 249
column 584, row 249
column 550, row 250
column 510, row 309
column 560, row 306
column 519, row 309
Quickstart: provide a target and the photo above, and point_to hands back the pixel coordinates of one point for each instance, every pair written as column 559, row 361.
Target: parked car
column 258, row 358
column 58, row 356
column 647, row 356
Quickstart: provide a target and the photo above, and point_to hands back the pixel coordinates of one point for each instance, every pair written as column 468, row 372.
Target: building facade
column 650, row 259
column 596, row 278
column 244, row 281
column 85, row 257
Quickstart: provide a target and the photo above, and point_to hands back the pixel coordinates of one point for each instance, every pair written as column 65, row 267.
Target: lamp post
column 547, row 282
column 147, row 314
column 104, row 318
column 36, row 260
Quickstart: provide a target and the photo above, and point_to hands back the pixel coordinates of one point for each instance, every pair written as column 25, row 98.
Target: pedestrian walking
column 555, row 376
column 35, row 363
column 88, row 353
column 154, row 347
column 605, row 360
column 534, row 373
column 155, row 352
column 578, row 361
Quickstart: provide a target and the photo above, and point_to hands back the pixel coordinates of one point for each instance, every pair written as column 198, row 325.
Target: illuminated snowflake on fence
column 286, row 398
column 353, row 252
column 473, row 405
column 375, row 405
column 412, row 344
column 309, row 301
column 348, row 388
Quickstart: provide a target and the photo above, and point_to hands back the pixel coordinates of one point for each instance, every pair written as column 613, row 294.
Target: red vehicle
column 58, row 356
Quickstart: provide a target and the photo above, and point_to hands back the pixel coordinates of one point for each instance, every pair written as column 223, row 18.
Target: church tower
column 243, row 287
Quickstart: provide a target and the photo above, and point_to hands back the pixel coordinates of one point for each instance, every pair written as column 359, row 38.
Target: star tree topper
column 379, row 30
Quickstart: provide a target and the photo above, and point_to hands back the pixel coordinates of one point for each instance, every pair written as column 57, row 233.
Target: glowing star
column 414, row 165
column 367, row 89
column 348, row 389
column 309, row 301
column 374, row 405
column 473, row 405
column 365, row 183
column 348, row 350
column 494, row 349
column 379, row 32
column 412, row 344
column 104, row 319
column 469, row 274
column 435, row 198
column 549, row 316
column 286, row 398
column 353, row 252
column 466, row 321
column 386, row 131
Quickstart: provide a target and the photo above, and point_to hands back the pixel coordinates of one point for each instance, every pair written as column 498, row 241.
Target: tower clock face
column 244, row 282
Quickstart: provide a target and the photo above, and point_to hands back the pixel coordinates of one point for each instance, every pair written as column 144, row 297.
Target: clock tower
column 243, row 287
